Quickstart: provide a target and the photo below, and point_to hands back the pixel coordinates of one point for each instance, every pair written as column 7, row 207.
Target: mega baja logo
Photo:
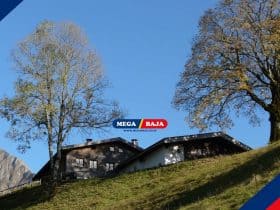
column 140, row 123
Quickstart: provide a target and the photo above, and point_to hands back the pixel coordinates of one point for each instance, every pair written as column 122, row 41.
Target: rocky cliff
column 13, row 171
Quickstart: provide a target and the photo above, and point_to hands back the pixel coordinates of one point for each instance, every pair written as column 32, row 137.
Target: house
column 93, row 158
column 116, row 155
column 179, row 148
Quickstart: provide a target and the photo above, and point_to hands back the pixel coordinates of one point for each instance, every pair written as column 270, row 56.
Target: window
column 120, row 150
column 109, row 166
column 193, row 152
column 112, row 149
column 176, row 147
column 93, row 164
column 80, row 162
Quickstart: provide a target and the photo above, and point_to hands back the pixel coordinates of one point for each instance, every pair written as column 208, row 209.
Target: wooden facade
column 92, row 159
column 209, row 148
column 96, row 161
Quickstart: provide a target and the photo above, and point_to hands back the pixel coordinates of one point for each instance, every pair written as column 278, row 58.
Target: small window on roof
column 112, row 149
column 120, row 150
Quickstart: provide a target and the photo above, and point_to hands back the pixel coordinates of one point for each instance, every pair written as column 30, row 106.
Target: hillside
column 216, row 183
column 13, row 171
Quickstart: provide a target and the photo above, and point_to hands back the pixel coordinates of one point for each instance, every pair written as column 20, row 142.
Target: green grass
column 213, row 183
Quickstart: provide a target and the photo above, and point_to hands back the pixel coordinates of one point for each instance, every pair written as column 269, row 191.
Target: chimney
column 134, row 142
column 88, row 140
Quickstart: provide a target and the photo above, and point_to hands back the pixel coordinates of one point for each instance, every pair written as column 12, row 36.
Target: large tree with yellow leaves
column 234, row 65
column 59, row 89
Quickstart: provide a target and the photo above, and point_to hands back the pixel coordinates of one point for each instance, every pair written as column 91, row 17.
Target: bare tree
column 234, row 65
column 59, row 88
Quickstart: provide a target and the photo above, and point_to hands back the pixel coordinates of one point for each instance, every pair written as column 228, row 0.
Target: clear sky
column 143, row 46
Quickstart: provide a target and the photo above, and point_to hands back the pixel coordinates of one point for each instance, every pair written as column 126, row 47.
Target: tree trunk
column 57, row 166
column 274, row 127
column 50, row 156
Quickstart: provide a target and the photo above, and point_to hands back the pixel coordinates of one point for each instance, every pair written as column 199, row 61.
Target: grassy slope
column 216, row 183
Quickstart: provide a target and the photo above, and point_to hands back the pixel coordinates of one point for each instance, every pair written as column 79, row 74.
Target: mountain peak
column 13, row 171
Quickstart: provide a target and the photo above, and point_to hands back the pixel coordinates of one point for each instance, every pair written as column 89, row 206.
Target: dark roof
column 89, row 144
column 105, row 141
column 206, row 136
column 186, row 138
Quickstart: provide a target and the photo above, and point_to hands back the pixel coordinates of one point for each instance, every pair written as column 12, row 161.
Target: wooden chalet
column 93, row 158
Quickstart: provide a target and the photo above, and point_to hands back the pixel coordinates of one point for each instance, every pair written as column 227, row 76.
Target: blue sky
column 143, row 46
